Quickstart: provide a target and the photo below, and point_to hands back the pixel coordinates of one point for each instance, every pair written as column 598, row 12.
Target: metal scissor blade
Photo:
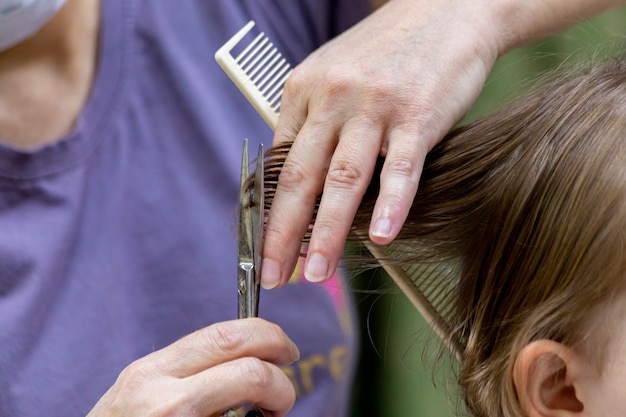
column 250, row 235
column 258, row 215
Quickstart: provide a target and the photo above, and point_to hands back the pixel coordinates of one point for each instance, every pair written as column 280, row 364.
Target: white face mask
column 20, row 19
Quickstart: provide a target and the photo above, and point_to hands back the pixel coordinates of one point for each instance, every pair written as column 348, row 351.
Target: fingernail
column 294, row 352
column 316, row 268
column 382, row 227
column 270, row 274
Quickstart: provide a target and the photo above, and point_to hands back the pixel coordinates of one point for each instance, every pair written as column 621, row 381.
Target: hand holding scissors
column 228, row 363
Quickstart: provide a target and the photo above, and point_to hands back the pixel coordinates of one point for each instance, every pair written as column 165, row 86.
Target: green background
column 395, row 378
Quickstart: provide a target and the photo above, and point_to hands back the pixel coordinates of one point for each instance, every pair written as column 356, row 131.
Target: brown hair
column 529, row 205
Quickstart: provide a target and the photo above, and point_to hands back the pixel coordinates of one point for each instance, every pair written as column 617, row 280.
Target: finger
column 224, row 342
column 293, row 109
column 399, row 180
column 242, row 381
column 300, row 182
column 347, row 179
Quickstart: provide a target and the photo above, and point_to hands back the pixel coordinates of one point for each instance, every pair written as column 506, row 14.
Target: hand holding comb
column 259, row 71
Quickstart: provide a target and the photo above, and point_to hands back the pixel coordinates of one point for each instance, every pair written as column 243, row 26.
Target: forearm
column 518, row 22
column 511, row 23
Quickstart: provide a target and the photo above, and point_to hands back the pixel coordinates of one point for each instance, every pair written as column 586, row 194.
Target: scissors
column 250, row 242
column 250, row 235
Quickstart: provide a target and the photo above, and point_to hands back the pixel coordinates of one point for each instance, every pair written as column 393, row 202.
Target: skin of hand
column 392, row 85
column 221, row 366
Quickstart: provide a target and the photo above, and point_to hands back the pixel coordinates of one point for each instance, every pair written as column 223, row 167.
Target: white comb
column 259, row 71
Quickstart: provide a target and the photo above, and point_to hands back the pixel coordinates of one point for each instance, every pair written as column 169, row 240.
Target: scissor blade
column 258, row 215
column 247, row 300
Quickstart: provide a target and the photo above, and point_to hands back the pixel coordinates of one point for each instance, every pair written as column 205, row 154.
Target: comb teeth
column 266, row 68
column 430, row 288
column 259, row 71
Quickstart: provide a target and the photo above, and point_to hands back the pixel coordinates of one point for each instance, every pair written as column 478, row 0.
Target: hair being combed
column 529, row 205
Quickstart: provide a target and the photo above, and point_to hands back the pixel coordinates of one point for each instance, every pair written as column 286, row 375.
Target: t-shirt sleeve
column 350, row 12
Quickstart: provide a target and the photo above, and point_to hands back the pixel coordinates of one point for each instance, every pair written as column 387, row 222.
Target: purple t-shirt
column 120, row 238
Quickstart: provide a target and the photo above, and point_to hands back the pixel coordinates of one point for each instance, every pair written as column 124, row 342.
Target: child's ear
column 546, row 376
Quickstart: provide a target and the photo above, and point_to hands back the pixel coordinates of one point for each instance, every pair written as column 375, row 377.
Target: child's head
column 532, row 201
column 529, row 205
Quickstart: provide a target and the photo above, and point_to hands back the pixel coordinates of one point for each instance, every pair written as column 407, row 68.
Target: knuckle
column 384, row 88
column 276, row 233
column 134, row 376
column 224, row 337
column 331, row 80
column 275, row 332
column 292, row 175
column 344, row 175
column 421, row 116
column 258, row 373
column 337, row 82
column 401, row 166
column 296, row 81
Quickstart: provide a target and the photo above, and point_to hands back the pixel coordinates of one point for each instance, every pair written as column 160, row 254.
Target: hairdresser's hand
column 207, row 372
column 393, row 85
